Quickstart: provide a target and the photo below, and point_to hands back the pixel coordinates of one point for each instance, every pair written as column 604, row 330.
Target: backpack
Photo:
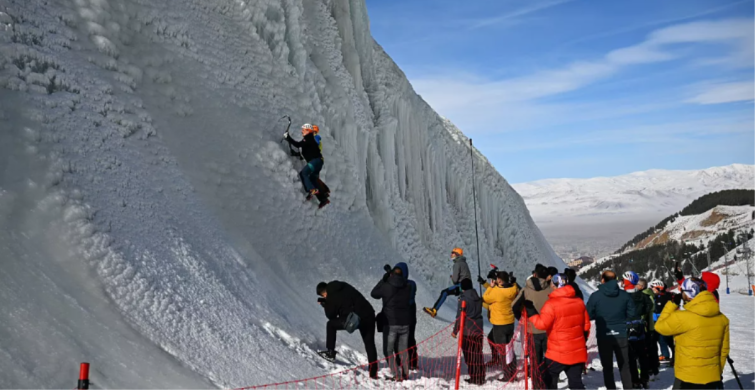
column 319, row 144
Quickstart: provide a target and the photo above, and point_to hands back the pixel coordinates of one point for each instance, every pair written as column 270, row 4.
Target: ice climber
column 311, row 150
column 347, row 309
column 460, row 272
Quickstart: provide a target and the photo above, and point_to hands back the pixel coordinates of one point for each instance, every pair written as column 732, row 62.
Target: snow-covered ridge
column 152, row 223
column 656, row 192
column 701, row 228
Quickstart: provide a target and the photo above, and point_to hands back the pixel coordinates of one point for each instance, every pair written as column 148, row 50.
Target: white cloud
column 725, row 93
column 515, row 14
column 475, row 102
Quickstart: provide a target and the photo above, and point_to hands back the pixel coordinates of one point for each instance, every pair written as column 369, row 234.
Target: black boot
column 328, row 355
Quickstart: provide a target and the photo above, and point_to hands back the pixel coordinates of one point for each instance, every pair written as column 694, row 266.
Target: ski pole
column 736, row 376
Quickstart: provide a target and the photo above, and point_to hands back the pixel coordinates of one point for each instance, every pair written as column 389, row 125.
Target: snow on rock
column 152, row 223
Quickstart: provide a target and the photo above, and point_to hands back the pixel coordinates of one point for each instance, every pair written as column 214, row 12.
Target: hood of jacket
column 712, row 281
column 404, row 269
column 460, row 259
column 471, row 294
column 704, row 305
column 397, row 281
column 610, row 289
column 563, row 292
column 537, row 287
column 648, row 292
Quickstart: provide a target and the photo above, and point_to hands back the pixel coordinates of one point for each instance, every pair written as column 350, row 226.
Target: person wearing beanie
column 471, row 345
column 701, row 334
column 637, row 331
column 565, row 320
column 610, row 308
column 712, row 282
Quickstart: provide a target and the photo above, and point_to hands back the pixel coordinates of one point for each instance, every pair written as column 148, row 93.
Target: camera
column 387, row 268
column 321, row 300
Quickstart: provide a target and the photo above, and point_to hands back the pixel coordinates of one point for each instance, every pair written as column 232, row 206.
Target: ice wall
column 152, row 222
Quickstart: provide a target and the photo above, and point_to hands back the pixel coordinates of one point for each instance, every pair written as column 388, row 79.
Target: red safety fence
column 446, row 362
column 440, row 361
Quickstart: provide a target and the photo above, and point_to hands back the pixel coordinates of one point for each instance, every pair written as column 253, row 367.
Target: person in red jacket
column 564, row 318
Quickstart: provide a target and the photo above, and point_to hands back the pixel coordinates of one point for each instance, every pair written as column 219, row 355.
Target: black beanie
column 466, row 284
column 552, row 271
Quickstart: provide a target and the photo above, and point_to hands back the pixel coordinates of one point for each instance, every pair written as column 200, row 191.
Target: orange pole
column 460, row 336
column 83, row 377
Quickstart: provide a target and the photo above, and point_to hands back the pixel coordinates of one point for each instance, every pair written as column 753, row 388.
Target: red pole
column 526, row 352
column 83, row 377
column 460, row 336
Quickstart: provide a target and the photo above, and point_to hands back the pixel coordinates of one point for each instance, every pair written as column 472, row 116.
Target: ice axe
column 736, row 376
column 290, row 148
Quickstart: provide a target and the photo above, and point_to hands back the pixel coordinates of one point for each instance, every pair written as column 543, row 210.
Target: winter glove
column 512, row 280
column 480, row 280
column 386, row 276
column 677, row 299
column 529, row 307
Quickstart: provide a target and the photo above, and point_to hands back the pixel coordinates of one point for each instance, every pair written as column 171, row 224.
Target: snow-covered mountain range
column 151, row 221
column 701, row 228
column 654, row 192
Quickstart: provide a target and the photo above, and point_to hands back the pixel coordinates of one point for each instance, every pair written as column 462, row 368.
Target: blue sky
column 582, row 88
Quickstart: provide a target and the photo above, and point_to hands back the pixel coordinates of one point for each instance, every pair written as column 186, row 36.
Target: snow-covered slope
column 701, row 228
column 653, row 192
column 152, row 223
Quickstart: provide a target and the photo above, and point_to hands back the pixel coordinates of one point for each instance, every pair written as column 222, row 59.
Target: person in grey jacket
column 460, row 273
column 471, row 344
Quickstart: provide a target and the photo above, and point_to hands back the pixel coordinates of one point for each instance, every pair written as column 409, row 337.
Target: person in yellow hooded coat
column 701, row 334
column 498, row 298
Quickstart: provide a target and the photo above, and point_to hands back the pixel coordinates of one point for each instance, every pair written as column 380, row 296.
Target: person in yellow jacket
column 498, row 297
column 701, row 334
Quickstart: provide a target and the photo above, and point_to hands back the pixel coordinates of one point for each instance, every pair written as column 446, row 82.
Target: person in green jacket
column 652, row 346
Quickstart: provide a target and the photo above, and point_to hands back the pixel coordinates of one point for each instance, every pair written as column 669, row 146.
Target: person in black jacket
column 310, row 150
column 665, row 342
column 571, row 277
column 637, row 331
column 610, row 308
column 339, row 299
column 396, row 294
column 473, row 333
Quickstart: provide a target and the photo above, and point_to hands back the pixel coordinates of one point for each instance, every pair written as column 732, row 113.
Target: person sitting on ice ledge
column 701, row 335
column 460, row 272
